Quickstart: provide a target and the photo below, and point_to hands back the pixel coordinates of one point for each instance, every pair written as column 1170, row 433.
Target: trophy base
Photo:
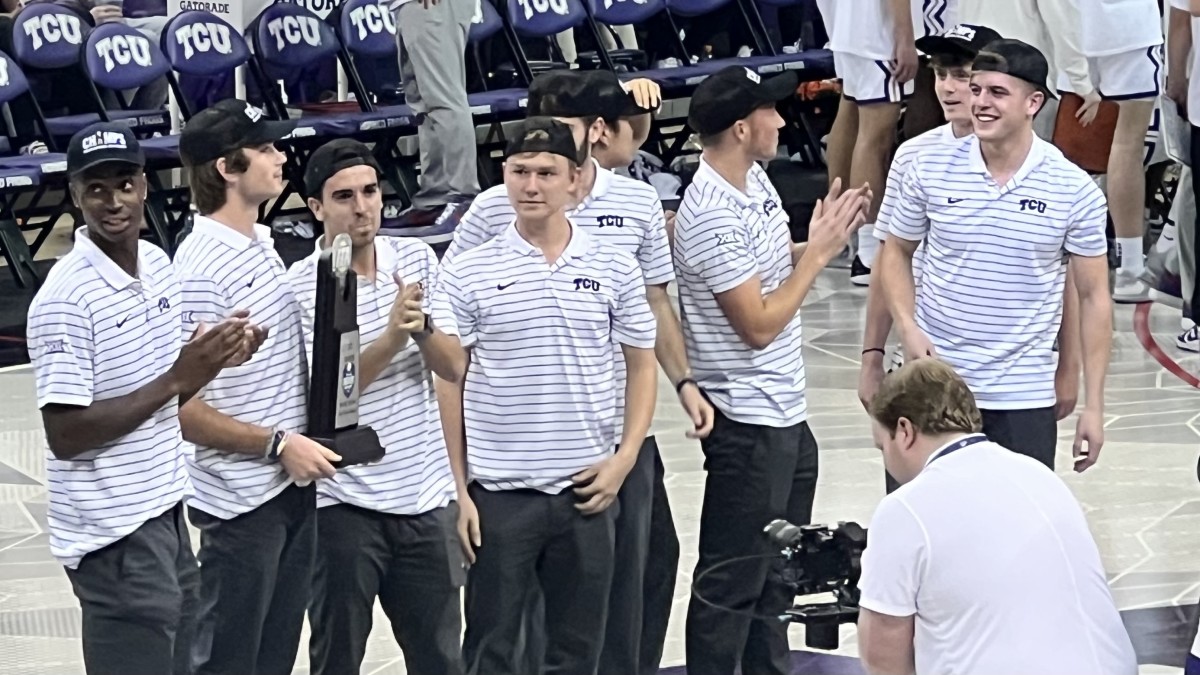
column 359, row 445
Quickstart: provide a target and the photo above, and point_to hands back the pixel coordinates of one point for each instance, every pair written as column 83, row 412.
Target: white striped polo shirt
column 414, row 476
column 619, row 211
column 723, row 238
column 540, row 390
column 222, row 271
column 991, row 292
column 908, row 150
column 95, row 333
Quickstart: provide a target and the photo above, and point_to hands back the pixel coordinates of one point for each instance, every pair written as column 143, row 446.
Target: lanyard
column 959, row 445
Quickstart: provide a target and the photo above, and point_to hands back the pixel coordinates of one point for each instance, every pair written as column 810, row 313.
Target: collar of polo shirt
column 599, row 187
column 109, row 271
column 1037, row 153
column 385, row 258
column 747, row 200
column 229, row 236
column 578, row 245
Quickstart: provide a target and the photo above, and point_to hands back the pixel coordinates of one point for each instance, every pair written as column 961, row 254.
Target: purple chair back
column 485, row 23
column 12, row 80
column 544, row 18
column 138, row 9
column 289, row 36
column 625, row 12
column 48, row 36
column 199, row 43
column 118, row 56
column 689, row 8
column 367, row 28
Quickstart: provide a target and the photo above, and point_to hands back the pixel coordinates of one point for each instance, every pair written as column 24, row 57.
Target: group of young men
column 513, row 383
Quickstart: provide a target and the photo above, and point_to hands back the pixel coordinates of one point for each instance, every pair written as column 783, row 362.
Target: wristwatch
column 275, row 446
column 427, row 327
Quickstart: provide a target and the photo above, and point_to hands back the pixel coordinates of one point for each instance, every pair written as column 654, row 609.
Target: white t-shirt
column 992, row 553
column 1118, row 26
column 414, row 476
column 990, row 297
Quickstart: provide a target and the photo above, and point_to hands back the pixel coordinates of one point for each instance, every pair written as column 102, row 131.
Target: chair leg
column 17, row 254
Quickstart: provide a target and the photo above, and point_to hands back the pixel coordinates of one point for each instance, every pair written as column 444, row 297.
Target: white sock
column 868, row 245
column 1166, row 240
column 1129, row 250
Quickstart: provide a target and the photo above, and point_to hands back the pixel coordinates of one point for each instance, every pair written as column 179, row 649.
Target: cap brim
column 780, row 87
column 270, row 131
column 632, row 109
column 75, row 171
column 940, row 45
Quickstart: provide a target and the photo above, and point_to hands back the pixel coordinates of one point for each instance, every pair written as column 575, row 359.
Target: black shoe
column 860, row 274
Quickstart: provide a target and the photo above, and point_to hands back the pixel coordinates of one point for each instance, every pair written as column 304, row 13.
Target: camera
column 820, row 559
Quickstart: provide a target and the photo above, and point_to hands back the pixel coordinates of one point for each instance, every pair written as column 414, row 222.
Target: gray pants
column 433, row 66
column 153, row 95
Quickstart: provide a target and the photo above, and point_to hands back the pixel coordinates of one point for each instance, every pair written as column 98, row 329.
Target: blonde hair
column 930, row 395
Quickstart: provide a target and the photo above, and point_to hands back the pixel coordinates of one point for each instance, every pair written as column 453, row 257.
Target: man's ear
column 596, row 131
column 317, row 209
column 73, row 189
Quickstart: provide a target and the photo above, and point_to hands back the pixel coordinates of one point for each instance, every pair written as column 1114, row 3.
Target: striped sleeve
column 719, row 250
column 1088, row 222
column 632, row 321
column 654, row 254
column 471, row 231
column 891, row 193
column 909, row 219
column 62, row 348
column 203, row 302
column 431, row 278
column 453, row 307
column 303, row 278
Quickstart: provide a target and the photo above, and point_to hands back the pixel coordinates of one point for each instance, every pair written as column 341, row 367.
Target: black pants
column 755, row 475
column 413, row 564
column 541, row 541
column 255, row 584
column 662, row 568
column 139, row 597
column 1029, row 432
column 1195, row 299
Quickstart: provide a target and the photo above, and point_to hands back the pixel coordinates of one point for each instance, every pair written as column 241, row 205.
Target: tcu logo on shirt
column 1033, row 205
column 610, row 221
column 291, row 30
column 52, row 28
column 164, row 304
column 372, row 20
column 532, row 7
column 123, row 49
column 769, row 206
column 587, row 284
column 203, row 37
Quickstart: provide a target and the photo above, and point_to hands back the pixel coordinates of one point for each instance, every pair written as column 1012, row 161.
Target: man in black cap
column 1002, row 212
column 539, row 308
column 741, row 285
column 626, row 215
column 255, row 504
column 112, row 367
column 389, row 530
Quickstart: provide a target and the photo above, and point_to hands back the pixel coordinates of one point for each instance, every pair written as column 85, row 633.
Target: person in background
column 937, row 598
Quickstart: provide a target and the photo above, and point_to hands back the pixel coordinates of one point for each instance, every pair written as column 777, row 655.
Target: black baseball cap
column 964, row 40
column 331, row 158
column 102, row 143
column 1018, row 59
column 581, row 93
column 732, row 94
column 226, row 126
column 543, row 134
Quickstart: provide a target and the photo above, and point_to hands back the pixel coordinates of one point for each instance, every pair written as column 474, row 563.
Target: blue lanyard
column 959, row 445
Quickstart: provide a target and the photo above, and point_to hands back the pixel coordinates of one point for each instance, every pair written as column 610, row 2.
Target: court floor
column 1142, row 500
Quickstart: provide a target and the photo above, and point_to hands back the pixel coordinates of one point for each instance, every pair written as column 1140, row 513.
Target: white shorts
column 865, row 81
column 1127, row 76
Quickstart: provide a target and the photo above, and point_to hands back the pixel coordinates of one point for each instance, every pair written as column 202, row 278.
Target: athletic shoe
column 860, row 274
column 1189, row 340
column 1129, row 289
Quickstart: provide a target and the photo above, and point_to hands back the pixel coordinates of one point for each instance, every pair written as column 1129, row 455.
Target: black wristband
column 685, row 381
column 874, row 349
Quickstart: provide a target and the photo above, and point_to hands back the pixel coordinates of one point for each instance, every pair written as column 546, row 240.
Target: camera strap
column 958, row 445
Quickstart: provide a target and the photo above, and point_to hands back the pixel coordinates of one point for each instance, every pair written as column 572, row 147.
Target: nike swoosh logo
column 952, row 200
column 250, row 283
column 501, row 287
column 122, row 321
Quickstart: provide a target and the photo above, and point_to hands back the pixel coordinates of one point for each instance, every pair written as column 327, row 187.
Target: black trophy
column 333, row 393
